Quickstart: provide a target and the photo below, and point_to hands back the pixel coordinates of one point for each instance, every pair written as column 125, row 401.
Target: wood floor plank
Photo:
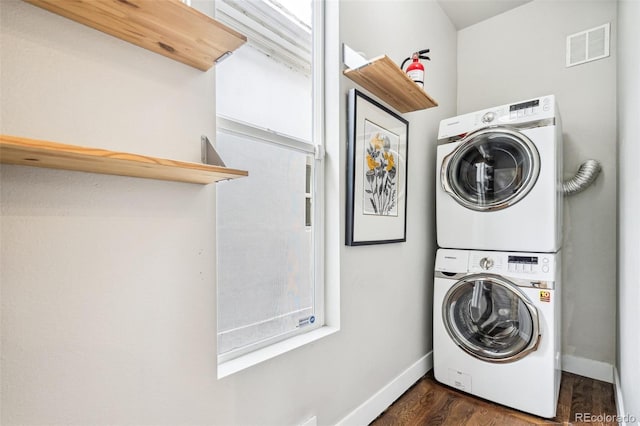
column 460, row 411
column 430, row 403
column 603, row 400
column 563, row 411
column 581, row 400
column 432, row 409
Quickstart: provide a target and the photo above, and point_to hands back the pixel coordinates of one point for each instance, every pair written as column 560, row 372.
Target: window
column 280, row 30
column 269, row 226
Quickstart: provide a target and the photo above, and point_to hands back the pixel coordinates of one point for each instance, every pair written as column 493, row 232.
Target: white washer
column 496, row 326
column 499, row 178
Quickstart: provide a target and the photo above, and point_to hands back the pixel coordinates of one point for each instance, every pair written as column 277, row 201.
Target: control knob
column 489, row 117
column 486, row 263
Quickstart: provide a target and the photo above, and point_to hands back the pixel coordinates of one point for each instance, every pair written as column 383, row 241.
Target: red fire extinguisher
column 415, row 70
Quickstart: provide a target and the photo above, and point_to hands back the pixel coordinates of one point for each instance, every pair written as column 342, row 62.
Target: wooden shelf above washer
column 167, row 27
column 384, row 78
column 53, row 155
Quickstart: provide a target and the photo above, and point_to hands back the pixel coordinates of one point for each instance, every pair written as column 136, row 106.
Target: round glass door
column 490, row 318
column 491, row 169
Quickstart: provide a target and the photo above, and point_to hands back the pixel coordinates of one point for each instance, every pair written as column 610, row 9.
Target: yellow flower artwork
column 381, row 173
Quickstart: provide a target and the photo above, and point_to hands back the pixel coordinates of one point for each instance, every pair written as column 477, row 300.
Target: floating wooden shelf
column 38, row 153
column 384, row 78
column 168, row 27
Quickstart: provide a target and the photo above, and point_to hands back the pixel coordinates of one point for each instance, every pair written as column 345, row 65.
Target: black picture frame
column 377, row 154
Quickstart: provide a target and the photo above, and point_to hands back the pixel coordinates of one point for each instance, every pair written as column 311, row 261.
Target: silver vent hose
column 586, row 174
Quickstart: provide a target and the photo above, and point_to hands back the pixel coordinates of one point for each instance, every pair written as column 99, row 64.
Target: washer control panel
column 524, row 109
column 517, row 265
column 529, row 264
column 523, row 268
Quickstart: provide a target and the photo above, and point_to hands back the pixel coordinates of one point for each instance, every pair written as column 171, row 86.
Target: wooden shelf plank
column 168, row 27
column 39, row 153
column 386, row 80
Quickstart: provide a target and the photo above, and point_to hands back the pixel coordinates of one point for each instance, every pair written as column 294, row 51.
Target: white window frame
column 287, row 44
column 270, row 348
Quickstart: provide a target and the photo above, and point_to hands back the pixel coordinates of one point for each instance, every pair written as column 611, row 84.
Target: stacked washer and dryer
column 497, row 271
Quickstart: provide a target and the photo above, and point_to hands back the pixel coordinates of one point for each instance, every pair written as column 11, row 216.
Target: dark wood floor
column 431, row 403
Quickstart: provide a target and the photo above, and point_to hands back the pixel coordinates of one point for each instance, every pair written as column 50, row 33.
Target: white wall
column 108, row 298
column 390, row 287
column 108, row 283
column 519, row 55
column 629, row 204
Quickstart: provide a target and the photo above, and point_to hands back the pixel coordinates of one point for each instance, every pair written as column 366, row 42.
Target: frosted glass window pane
column 265, row 282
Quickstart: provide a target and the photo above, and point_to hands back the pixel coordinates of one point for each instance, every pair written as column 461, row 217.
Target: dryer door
column 490, row 318
column 492, row 169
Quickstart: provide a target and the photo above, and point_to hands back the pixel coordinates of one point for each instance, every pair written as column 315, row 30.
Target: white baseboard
column 624, row 418
column 381, row 400
column 619, row 399
column 313, row 421
column 588, row 368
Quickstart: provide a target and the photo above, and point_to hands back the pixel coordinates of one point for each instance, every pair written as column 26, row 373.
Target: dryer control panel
column 509, row 114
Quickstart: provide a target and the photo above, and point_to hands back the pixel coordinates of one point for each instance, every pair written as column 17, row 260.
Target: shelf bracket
column 223, row 56
column 352, row 59
column 208, row 154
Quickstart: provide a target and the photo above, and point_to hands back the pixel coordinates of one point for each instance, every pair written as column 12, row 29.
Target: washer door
column 492, row 169
column 490, row 318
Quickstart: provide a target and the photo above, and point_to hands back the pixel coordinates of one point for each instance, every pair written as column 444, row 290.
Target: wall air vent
column 589, row 45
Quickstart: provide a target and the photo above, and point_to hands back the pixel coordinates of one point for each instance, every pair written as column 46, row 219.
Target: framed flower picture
column 376, row 173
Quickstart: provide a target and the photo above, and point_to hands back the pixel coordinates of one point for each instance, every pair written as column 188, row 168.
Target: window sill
column 249, row 360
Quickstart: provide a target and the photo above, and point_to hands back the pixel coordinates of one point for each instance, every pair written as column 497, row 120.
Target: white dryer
column 499, row 178
column 496, row 326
